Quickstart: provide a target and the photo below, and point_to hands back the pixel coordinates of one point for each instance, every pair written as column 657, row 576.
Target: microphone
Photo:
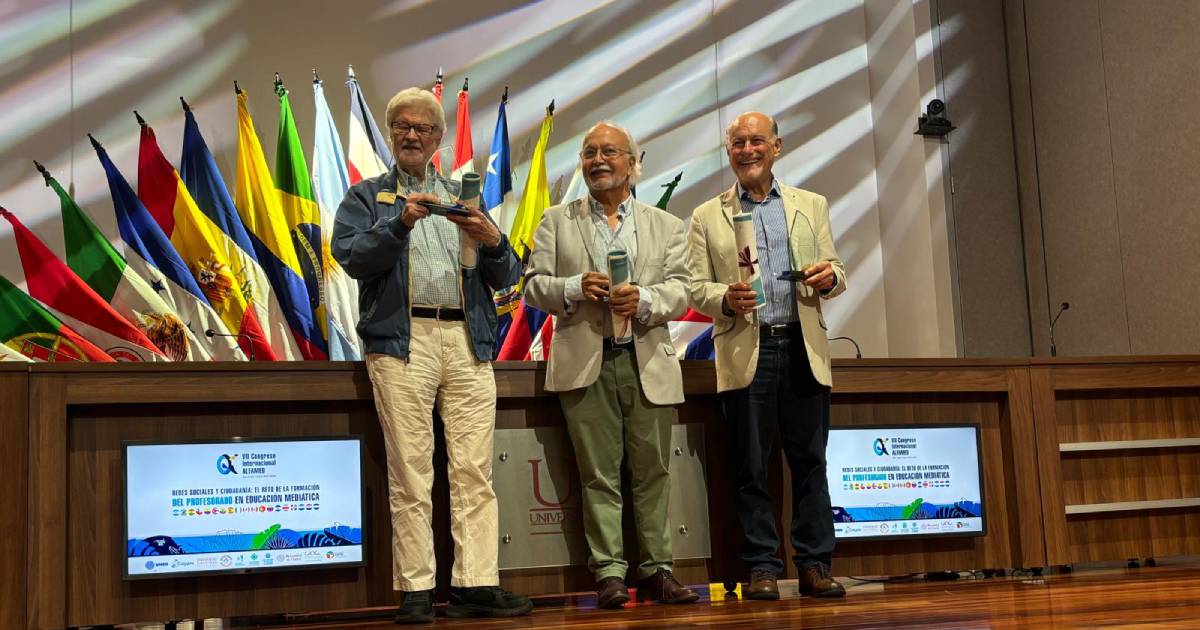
column 467, row 256
column 210, row 333
column 1061, row 308
column 857, row 350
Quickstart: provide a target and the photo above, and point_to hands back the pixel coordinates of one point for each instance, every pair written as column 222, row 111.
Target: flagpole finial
column 550, row 108
column 141, row 121
column 186, row 107
column 504, row 98
column 642, row 158
column 42, row 169
column 237, row 89
column 440, row 76
column 95, row 142
column 279, row 89
column 350, row 72
column 316, row 77
column 465, row 84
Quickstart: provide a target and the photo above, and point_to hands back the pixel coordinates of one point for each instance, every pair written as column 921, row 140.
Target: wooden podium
column 1084, row 459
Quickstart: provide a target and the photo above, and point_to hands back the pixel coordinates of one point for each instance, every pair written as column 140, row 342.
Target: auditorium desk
column 1084, row 459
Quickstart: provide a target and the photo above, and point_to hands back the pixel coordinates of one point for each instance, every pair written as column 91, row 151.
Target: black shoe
column 417, row 607
column 486, row 601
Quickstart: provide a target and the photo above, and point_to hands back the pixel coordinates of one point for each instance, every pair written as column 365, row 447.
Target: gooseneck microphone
column 1061, row 308
column 857, row 350
column 210, row 333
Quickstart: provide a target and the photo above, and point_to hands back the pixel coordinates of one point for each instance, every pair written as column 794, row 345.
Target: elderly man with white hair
column 428, row 325
column 617, row 385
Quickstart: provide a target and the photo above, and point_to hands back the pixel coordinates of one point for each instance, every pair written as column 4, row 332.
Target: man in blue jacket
column 428, row 326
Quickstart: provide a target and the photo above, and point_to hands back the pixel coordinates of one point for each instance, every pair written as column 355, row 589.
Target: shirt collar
column 773, row 192
column 623, row 208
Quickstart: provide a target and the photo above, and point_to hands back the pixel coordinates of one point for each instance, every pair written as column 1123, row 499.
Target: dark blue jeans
column 783, row 399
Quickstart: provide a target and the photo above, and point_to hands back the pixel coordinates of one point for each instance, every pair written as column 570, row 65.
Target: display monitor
column 905, row 481
column 242, row 505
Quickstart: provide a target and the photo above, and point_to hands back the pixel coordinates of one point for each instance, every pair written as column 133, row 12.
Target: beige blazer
column 712, row 261
column 561, row 249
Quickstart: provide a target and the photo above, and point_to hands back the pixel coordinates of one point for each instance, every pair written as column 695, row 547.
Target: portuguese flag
column 28, row 328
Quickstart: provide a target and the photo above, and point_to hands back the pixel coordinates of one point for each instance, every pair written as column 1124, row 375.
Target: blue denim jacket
column 371, row 243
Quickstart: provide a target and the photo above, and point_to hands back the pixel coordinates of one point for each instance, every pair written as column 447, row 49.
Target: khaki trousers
column 441, row 368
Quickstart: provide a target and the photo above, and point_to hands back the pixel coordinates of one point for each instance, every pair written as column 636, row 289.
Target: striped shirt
column 774, row 255
column 433, row 247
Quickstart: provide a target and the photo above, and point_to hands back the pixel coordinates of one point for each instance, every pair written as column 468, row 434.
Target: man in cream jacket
column 772, row 361
column 617, row 389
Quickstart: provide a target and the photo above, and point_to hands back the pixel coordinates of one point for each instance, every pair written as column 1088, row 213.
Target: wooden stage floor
column 1161, row 597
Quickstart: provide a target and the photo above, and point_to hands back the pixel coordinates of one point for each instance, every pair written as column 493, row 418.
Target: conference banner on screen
column 895, row 481
column 239, row 506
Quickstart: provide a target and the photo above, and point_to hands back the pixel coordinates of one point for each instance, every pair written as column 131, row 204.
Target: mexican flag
column 96, row 262
column 28, row 329
column 72, row 301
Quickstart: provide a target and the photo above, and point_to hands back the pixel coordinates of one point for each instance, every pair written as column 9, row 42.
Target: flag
column 209, row 255
column 691, row 335
column 259, row 206
column 330, row 181
column 464, row 152
column 303, row 218
column 577, row 189
column 527, row 322
column 96, row 262
column 367, row 153
column 497, row 181
column 8, row 354
column 670, row 188
column 149, row 249
column 539, row 349
column 29, row 329
column 70, row 299
column 437, row 93
column 203, row 180
column 536, row 196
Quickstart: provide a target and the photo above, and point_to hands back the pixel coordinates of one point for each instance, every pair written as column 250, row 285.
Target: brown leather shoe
column 663, row 588
column 815, row 581
column 763, row 585
column 611, row 593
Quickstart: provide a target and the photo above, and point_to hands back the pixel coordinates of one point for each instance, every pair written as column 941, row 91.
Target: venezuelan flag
column 259, row 207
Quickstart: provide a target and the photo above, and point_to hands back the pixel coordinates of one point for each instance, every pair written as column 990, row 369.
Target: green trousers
column 611, row 420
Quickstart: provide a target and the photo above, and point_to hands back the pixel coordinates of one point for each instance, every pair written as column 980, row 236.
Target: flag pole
column 42, row 169
column 186, row 107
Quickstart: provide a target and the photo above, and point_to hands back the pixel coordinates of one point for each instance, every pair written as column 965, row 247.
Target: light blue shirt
column 605, row 239
column 774, row 255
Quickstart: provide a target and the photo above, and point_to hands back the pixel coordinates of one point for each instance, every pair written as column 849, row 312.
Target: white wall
column 845, row 79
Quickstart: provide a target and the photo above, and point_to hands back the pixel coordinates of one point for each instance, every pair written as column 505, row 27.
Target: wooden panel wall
column 14, row 474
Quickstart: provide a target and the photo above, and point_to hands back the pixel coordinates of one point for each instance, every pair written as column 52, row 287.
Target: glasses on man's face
column 401, row 129
column 609, row 153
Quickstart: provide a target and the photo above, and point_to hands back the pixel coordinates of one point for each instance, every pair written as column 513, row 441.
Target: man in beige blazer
column 617, row 394
column 772, row 361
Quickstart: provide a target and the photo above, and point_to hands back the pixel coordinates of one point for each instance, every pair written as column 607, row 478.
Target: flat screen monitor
column 242, row 505
column 916, row 481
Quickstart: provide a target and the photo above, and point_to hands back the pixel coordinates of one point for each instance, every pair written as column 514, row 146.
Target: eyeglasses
column 402, row 129
column 609, row 153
